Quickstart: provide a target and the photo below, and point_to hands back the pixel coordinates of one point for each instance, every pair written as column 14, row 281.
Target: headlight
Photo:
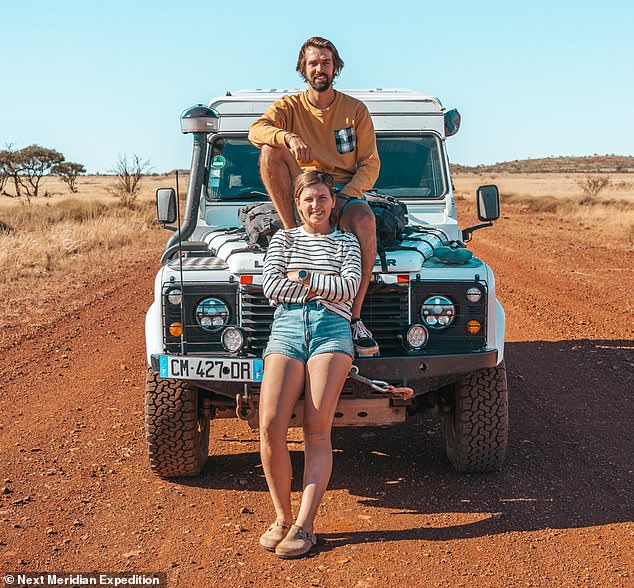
column 212, row 314
column 474, row 294
column 438, row 312
column 233, row 339
column 175, row 296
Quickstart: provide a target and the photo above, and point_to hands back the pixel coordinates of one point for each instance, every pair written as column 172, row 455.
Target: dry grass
column 545, row 185
column 612, row 211
column 25, row 254
column 97, row 188
column 51, row 234
column 47, row 237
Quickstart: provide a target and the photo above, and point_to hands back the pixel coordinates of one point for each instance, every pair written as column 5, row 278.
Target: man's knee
column 270, row 155
column 359, row 219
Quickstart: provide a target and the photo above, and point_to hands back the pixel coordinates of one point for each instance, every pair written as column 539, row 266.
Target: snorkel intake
column 201, row 121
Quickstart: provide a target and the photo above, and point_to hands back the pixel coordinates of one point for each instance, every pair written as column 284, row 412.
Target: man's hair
column 312, row 178
column 320, row 43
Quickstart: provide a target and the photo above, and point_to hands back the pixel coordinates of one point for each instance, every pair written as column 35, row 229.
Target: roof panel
column 378, row 101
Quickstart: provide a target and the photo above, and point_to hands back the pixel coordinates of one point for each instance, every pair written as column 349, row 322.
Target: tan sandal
column 274, row 535
column 296, row 544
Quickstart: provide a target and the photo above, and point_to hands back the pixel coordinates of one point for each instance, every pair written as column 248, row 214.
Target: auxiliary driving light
column 474, row 294
column 438, row 312
column 416, row 337
column 233, row 339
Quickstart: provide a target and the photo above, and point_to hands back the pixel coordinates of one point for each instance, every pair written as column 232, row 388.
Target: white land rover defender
column 431, row 305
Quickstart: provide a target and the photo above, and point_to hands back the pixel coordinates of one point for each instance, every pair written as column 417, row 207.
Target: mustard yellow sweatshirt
column 341, row 137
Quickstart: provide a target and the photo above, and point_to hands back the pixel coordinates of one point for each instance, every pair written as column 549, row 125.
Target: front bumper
column 408, row 369
column 422, row 373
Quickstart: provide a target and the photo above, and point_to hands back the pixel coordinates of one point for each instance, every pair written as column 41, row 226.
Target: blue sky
column 531, row 79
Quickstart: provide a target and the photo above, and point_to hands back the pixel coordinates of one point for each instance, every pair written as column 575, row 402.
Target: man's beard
column 321, row 84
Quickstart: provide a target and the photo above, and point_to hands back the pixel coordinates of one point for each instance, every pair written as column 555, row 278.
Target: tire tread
column 176, row 445
column 476, row 431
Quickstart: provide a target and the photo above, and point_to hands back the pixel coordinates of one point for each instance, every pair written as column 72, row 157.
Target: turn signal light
column 176, row 329
column 474, row 327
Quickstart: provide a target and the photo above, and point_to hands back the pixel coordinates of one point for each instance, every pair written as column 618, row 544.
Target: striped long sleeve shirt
column 334, row 263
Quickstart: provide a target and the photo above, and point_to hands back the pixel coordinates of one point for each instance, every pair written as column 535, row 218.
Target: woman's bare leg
column 326, row 374
column 282, row 385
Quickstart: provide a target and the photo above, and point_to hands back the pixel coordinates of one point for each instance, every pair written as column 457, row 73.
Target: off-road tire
column 476, row 422
column 177, row 435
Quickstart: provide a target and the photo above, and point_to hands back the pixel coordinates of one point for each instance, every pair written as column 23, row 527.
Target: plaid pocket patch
column 345, row 140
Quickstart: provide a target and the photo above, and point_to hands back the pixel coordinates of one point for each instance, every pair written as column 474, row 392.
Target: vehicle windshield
column 410, row 168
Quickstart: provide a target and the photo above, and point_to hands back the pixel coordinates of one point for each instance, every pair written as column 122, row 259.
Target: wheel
column 475, row 421
column 177, row 435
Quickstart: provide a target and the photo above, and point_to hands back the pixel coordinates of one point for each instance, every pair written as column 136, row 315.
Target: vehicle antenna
column 180, row 264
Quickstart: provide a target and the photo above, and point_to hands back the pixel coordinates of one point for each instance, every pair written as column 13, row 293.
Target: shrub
column 592, row 186
column 128, row 178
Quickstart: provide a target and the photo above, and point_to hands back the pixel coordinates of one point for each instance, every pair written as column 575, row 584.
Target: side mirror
column 452, row 122
column 488, row 201
column 166, row 205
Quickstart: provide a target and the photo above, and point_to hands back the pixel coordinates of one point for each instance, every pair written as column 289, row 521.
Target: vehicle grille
column 385, row 313
column 257, row 317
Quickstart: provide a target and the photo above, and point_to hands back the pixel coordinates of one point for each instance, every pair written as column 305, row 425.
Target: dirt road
column 76, row 493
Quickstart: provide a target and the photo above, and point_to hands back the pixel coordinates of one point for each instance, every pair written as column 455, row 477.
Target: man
column 330, row 131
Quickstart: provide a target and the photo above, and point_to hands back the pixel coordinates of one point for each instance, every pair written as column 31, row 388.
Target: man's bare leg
column 279, row 169
column 358, row 218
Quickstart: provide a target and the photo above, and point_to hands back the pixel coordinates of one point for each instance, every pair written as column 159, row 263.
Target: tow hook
column 245, row 408
column 380, row 385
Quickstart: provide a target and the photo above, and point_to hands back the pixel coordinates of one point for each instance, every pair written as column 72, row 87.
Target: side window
column 410, row 167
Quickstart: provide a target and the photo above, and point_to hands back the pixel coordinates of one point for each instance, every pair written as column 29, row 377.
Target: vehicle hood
column 243, row 258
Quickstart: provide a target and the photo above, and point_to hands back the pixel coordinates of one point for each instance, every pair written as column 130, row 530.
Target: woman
column 311, row 273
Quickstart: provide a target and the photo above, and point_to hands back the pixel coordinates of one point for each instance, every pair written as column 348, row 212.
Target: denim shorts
column 301, row 331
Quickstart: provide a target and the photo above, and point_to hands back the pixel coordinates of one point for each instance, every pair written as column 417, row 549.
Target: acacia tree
column 4, row 176
column 35, row 162
column 129, row 174
column 68, row 172
column 9, row 170
column 26, row 167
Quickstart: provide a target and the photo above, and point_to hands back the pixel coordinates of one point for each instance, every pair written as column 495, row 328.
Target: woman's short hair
column 320, row 43
column 312, row 178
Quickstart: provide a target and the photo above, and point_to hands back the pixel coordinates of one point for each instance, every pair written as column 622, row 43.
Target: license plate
column 211, row 368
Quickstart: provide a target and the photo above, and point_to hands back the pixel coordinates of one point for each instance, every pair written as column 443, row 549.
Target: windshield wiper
column 247, row 193
column 376, row 192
